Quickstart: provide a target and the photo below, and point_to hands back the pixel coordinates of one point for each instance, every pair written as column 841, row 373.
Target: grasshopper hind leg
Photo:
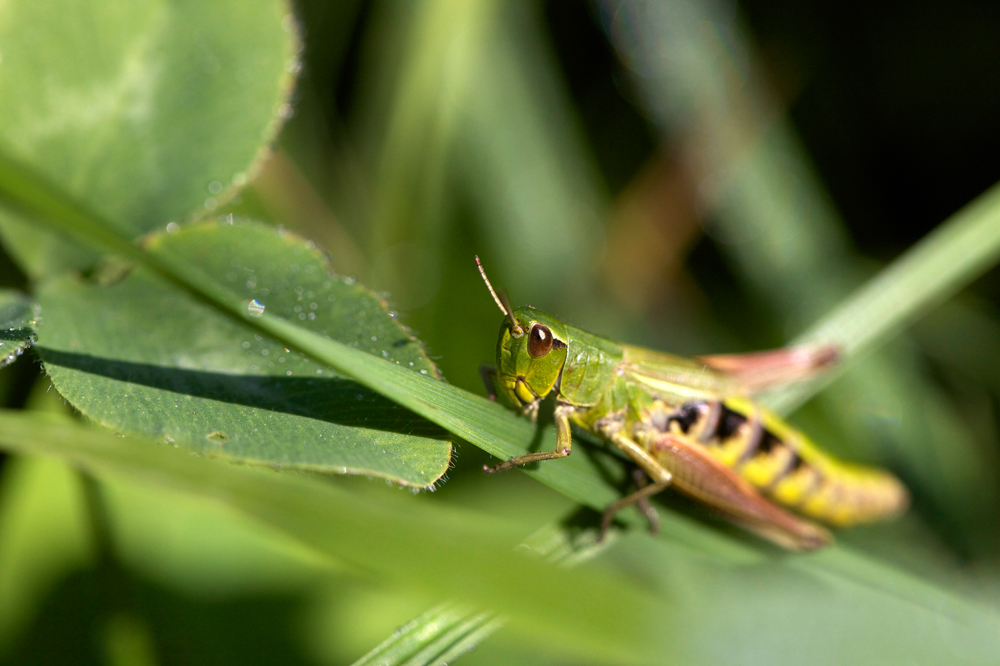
column 641, row 499
column 647, row 467
column 641, row 481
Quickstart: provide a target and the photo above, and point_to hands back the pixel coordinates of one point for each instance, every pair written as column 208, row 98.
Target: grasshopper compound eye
column 539, row 341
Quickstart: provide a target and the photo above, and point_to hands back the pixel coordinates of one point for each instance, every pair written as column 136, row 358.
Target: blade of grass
column 558, row 543
column 477, row 420
column 961, row 249
column 421, row 639
column 447, row 552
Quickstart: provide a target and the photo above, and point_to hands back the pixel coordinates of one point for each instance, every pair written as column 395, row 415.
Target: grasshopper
column 688, row 423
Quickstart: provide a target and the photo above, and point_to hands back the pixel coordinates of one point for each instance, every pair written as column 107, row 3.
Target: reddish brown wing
column 761, row 370
column 698, row 474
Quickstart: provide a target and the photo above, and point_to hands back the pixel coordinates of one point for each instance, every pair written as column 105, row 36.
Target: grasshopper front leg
column 488, row 373
column 564, row 443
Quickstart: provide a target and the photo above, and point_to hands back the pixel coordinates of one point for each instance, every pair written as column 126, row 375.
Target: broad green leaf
column 204, row 381
column 17, row 325
column 400, row 540
column 149, row 111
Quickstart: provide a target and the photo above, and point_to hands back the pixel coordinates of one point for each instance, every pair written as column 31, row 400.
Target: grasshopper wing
column 762, row 370
column 698, row 474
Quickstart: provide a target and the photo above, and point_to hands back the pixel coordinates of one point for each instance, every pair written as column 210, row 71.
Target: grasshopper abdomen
column 786, row 467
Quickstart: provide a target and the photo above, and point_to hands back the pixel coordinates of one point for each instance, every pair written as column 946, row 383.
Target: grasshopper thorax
column 531, row 352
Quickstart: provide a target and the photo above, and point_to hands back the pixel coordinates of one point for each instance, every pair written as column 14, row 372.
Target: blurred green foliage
column 634, row 168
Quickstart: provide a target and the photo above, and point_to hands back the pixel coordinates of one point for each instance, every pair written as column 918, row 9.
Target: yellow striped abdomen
column 789, row 469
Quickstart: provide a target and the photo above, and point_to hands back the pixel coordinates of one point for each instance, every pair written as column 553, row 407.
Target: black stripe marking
column 686, row 416
column 769, row 441
column 729, row 424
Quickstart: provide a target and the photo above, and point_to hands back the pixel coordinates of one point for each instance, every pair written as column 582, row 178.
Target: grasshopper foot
column 530, row 458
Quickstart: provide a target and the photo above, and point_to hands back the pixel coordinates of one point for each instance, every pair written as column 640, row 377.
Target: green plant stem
column 958, row 251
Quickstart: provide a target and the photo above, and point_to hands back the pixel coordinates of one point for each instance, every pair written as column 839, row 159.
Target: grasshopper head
column 531, row 352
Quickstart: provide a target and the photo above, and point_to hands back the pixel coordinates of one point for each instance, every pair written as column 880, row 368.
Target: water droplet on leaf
column 255, row 308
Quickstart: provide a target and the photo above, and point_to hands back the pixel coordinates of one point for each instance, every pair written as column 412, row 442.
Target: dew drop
column 255, row 308
column 173, row 227
column 215, row 187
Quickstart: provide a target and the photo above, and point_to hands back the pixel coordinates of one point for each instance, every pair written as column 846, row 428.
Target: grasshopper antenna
column 501, row 302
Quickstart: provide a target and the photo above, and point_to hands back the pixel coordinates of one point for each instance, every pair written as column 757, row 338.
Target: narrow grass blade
column 447, row 552
column 428, row 638
column 961, row 249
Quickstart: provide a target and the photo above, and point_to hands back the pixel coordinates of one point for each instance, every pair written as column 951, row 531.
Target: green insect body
column 691, row 424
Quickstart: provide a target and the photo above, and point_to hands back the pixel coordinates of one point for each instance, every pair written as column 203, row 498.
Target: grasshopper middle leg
column 654, row 470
